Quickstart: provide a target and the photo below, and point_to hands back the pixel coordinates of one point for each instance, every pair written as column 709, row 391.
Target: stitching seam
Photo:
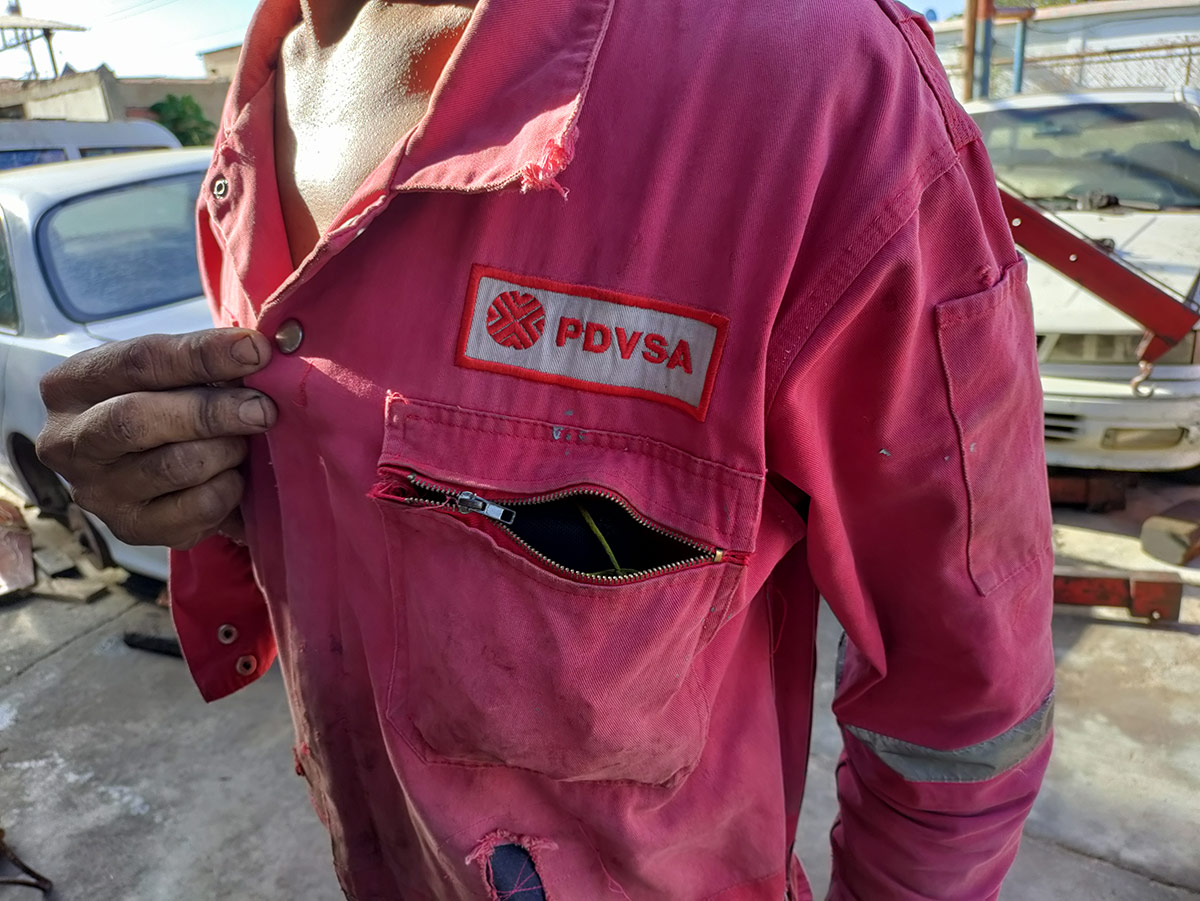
column 841, row 274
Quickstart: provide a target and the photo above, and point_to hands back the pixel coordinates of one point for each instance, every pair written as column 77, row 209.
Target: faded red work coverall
column 657, row 270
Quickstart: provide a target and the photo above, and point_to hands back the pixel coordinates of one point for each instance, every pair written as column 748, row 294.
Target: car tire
column 53, row 500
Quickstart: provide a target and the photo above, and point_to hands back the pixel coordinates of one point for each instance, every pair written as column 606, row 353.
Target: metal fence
column 1165, row 65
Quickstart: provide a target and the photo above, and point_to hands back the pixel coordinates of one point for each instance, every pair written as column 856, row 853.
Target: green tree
column 185, row 119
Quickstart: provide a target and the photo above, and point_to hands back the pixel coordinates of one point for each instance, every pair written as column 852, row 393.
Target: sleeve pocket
column 988, row 353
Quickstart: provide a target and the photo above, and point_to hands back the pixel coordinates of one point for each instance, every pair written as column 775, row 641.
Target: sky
column 163, row 37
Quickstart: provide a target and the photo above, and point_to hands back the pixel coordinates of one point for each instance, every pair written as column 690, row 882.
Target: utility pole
column 17, row 30
column 48, row 34
column 970, row 18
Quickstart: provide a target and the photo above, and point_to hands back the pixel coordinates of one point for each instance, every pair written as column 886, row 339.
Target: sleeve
column 912, row 418
column 220, row 616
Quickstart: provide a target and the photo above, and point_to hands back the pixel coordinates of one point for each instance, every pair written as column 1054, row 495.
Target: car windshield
column 1133, row 153
column 123, row 250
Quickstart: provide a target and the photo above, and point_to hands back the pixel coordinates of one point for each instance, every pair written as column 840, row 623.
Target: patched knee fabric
column 514, row 875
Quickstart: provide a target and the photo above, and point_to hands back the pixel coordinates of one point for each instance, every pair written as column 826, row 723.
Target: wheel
column 54, row 501
column 49, row 494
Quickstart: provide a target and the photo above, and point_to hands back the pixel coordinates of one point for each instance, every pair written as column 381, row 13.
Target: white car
column 93, row 251
column 1123, row 167
column 31, row 142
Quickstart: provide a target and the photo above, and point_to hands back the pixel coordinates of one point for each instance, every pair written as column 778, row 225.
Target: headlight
column 1142, row 439
column 1113, row 350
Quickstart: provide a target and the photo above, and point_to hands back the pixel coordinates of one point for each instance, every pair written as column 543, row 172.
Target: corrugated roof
column 37, row 24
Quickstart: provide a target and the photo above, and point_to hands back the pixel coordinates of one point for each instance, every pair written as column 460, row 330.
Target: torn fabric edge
column 482, row 856
column 542, row 174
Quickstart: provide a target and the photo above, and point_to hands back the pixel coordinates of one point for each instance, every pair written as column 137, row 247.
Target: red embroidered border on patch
column 587, row 339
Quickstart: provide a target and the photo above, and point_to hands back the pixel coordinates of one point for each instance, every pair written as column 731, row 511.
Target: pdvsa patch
column 591, row 338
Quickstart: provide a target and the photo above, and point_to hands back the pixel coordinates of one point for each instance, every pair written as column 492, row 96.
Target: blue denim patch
column 514, row 876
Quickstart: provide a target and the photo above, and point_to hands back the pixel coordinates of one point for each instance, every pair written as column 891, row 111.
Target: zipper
column 503, row 514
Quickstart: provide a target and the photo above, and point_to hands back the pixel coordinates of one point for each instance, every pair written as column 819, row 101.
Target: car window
column 15, row 159
column 1145, row 153
column 9, row 318
column 110, row 151
column 123, row 250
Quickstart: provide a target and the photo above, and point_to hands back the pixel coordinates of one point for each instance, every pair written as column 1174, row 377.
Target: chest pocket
column 552, row 589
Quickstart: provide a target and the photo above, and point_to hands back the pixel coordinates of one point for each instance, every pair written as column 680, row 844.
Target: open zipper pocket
column 584, row 533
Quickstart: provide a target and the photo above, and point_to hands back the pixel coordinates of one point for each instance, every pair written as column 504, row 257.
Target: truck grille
column 1062, row 427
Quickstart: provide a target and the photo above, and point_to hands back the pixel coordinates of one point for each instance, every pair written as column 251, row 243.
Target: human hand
column 149, row 433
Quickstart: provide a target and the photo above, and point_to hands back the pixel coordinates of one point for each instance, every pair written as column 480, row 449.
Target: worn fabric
column 692, row 267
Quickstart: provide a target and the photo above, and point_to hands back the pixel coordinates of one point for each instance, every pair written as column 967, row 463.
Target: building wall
column 82, row 96
column 222, row 63
column 131, row 98
column 85, row 104
column 99, row 96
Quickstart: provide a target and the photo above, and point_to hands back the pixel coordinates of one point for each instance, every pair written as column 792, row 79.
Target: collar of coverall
column 503, row 112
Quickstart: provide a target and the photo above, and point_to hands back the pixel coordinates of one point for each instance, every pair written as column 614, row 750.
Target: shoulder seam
column 920, row 44
column 797, row 324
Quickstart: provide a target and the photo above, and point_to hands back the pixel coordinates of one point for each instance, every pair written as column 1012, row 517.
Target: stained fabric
column 796, row 176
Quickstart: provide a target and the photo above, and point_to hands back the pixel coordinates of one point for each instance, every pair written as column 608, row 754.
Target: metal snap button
column 220, row 188
column 247, row 665
column 289, row 337
column 227, row 634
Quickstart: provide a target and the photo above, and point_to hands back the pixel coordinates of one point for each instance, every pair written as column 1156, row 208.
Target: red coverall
column 694, row 259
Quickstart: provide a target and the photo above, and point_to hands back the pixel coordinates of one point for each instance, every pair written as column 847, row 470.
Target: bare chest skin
column 343, row 104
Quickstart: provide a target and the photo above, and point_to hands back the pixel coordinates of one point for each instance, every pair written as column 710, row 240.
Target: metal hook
column 1146, row 370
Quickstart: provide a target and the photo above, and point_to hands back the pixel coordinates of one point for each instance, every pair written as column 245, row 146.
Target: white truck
column 1123, row 167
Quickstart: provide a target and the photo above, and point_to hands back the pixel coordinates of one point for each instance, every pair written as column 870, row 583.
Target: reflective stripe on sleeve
column 976, row 763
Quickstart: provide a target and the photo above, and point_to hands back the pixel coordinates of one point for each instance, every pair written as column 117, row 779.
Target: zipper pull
column 731, row 557
column 469, row 502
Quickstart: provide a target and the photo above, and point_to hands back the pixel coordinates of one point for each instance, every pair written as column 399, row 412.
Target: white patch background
column 608, row 368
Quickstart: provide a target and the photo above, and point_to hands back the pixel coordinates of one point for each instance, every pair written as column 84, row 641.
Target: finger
column 134, row 423
column 185, row 518
column 154, row 363
column 139, row 478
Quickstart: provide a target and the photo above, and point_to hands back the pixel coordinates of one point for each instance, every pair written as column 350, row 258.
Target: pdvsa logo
column 516, row 320
column 591, row 339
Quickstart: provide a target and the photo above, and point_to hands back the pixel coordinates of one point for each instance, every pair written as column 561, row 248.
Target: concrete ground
column 117, row 782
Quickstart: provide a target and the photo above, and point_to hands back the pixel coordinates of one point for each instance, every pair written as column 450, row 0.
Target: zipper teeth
column 707, row 554
column 639, row 576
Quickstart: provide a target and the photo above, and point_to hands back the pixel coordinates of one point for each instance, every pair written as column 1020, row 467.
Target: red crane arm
column 1166, row 319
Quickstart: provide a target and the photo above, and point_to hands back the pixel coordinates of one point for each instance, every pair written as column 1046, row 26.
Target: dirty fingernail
column 254, row 413
column 246, row 351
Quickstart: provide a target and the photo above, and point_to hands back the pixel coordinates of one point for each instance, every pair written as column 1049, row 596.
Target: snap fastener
column 247, row 665
column 289, row 337
column 220, row 188
column 227, row 634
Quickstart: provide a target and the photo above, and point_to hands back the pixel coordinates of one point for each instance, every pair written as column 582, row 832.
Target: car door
column 10, row 324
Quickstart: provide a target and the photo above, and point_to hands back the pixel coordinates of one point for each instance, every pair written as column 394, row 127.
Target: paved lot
column 121, row 785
